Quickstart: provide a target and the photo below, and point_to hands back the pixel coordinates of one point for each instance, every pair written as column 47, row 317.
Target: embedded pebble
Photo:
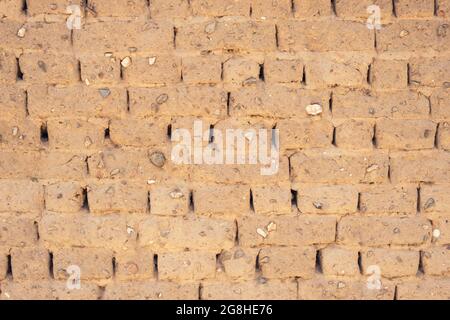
column 262, row 233
column 162, row 98
column 126, row 62
column 115, row 172
column 403, row 33
column 430, row 203
column 317, row 205
column 210, row 27
column 21, row 32
column 104, row 92
column 87, row 142
column 272, row 226
column 176, row 194
column 372, row 168
column 314, row 109
column 436, row 233
column 151, row 60
column 15, row 131
column 158, row 159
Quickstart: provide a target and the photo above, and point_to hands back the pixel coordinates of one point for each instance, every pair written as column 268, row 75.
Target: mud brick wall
column 86, row 177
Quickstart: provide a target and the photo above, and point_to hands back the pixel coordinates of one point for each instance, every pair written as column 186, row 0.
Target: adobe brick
column 250, row 290
column 214, row 200
column 389, row 74
column 202, row 69
column 343, row 289
column 389, row 199
column 165, row 70
column 21, row 196
column 312, row 9
column 339, row 261
column 370, row 104
column 305, row 133
column 430, row 72
column 327, row 199
column 214, row 35
column 186, row 266
column 49, row 68
column 76, row 134
column 123, row 35
column 110, row 231
column 93, row 263
column 339, row 166
column 238, row 263
column 414, row 8
column 196, row 101
column 392, row 263
column 355, row 134
column 375, row 231
column 30, row 264
column 434, row 198
column 17, row 232
column 64, row 196
column 8, row 67
column 420, row 166
column 287, row 262
column 278, row 70
column 134, row 264
column 170, row 200
column 262, row 9
column 290, row 231
column 327, row 35
column 214, row 8
column 75, row 101
column 120, row 196
column 100, row 69
column 272, row 199
column 187, row 232
column 425, row 289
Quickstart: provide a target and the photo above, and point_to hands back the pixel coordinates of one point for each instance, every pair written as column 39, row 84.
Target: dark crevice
column 191, row 201
column 369, row 76
column 277, row 40
column 374, row 136
column 289, row 167
column 436, row 136
column 128, row 101
column 358, row 206
column 155, row 265
column 50, row 265
column 257, row 263
column 24, row 7
column 418, row 200
column 149, row 204
column 293, row 6
column 86, row 161
column 228, row 103
column 333, row 141
column 360, row 263
column 107, row 134
column 181, row 76
column 236, row 237
column 19, row 71
column 85, row 205
column 36, row 227
column 375, row 39
column 221, row 71
column 79, row 71
column 420, row 269
column 389, row 170
column 169, row 131
column 250, row 11
column 318, row 262
column 330, row 103
column 436, row 8
column 294, row 195
column 175, row 31
column 114, row 266
column 9, row 270
column 333, row 7
column 261, row 72
column 200, row 291
column 44, row 133
column 408, row 74
column 211, row 134
column 304, row 76
column 394, row 9
column 396, row 293
column 252, row 205
column 101, row 292
column 27, row 111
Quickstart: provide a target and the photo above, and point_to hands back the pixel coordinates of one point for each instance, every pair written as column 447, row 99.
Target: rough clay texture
column 85, row 119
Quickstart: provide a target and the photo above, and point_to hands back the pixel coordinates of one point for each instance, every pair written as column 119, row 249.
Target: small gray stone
column 104, row 92
column 158, row 159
